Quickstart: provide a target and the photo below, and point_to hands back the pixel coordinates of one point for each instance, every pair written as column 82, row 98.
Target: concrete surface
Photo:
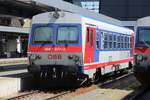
column 15, row 83
column 13, row 61
column 9, row 86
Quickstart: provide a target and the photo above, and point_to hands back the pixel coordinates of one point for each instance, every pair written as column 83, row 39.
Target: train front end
column 55, row 47
column 142, row 55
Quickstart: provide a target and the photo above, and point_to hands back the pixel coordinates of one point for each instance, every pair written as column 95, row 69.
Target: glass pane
column 144, row 35
column 97, row 44
column 118, row 45
column 114, row 37
column 91, row 38
column 105, row 36
column 110, row 44
column 110, row 37
column 105, row 44
column 105, row 40
column 114, row 44
column 43, row 35
column 67, row 34
column 118, row 38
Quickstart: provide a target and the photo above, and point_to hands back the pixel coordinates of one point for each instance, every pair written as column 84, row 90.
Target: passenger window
column 102, row 40
column 114, row 41
column 97, row 39
column 110, row 41
column 105, row 40
column 130, row 42
column 118, row 41
column 125, row 41
column 122, row 41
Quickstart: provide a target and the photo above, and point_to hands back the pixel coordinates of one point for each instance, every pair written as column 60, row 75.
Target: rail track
column 40, row 93
column 79, row 91
column 138, row 93
column 58, row 96
column 23, row 95
column 115, row 79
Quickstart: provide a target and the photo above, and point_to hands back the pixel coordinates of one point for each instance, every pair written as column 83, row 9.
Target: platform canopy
column 14, row 29
column 21, row 8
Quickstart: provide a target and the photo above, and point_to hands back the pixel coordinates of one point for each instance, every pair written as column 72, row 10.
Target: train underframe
column 142, row 74
column 57, row 72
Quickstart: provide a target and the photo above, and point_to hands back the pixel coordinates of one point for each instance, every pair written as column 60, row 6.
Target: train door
column 89, row 45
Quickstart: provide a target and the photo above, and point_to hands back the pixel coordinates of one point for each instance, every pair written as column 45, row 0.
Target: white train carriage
column 66, row 45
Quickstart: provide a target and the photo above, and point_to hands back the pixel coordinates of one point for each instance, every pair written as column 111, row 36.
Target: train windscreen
column 43, row 35
column 144, row 37
column 67, row 34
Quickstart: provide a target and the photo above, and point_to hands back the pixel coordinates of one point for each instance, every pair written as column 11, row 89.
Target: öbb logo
column 54, row 56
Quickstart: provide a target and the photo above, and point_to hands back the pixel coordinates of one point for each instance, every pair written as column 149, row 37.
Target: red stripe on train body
column 105, row 64
column 54, row 49
column 142, row 50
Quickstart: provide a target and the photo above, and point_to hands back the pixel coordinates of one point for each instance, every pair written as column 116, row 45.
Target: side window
column 91, row 38
column 118, row 40
column 105, row 40
column 110, row 41
column 114, row 41
column 122, row 41
column 125, row 41
column 131, row 42
column 102, row 40
column 88, row 35
column 97, row 39
column 128, row 42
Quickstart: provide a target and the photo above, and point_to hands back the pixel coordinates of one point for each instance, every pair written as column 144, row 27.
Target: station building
column 13, row 37
column 15, row 17
column 124, row 10
column 92, row 5
column 128, row 11
column 14, row 31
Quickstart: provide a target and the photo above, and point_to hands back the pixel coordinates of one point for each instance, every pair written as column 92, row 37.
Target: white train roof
column 64, row 17
column 145, row 21
column 67, row 17
column 62, row 5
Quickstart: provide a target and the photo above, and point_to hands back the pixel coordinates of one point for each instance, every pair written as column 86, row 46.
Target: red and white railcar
column 66, row 45
column 142, row 50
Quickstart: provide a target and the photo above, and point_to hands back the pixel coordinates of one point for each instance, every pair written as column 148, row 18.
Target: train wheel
column 36, row 75
column 97, row 76
column 130, row 66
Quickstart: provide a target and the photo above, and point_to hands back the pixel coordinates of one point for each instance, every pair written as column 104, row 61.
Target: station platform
column 14, row 76
column 14, row 83
column 13, row 61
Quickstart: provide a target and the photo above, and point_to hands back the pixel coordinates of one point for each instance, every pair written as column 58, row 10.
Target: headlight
column 33, row 56
column 74, row 58
column 139, row 57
